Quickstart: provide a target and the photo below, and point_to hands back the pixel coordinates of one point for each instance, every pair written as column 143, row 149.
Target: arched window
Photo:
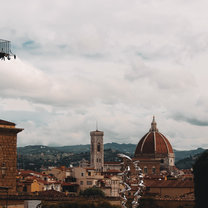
column 98, row 147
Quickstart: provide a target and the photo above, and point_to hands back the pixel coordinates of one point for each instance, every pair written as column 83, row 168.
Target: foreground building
column 8, row 155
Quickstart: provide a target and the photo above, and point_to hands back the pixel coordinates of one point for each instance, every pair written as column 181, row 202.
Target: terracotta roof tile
column 3, row 122
column 169, row 183
column 153, row 143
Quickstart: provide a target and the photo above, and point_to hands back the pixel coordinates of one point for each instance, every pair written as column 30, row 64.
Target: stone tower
column 8, row 155
column 97, row 150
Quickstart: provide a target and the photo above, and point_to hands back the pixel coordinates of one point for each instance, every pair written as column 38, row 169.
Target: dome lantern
column 153, row 125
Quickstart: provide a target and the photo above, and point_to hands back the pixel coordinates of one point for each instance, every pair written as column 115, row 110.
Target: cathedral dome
column 153, row 143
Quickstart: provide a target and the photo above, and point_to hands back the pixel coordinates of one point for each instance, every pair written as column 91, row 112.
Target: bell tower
column 97, row 150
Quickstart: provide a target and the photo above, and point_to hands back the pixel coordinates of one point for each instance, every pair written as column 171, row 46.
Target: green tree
column 201, row 180
column 93, row 192
column 78, row 204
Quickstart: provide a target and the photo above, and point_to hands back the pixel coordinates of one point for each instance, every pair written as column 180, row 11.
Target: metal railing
column 5, row 50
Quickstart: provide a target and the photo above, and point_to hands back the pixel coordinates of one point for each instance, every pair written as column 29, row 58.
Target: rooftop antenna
column 5, row 50
column 96, row 125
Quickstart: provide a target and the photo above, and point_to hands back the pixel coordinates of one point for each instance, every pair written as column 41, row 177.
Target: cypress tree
column 201, row 180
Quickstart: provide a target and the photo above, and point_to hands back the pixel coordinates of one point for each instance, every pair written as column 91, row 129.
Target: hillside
column 35, row 157
column 186, row 153
column 188, row 162
column 40, row 156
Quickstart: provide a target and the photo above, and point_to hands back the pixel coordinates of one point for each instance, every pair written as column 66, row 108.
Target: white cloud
column 116, row 62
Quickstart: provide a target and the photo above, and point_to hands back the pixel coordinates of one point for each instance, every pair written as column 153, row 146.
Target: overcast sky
column 117, row 62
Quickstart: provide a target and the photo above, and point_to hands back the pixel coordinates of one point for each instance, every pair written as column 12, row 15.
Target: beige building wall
column 112, row 166
column 86, row 177
column 112, row 186
column 59, row 173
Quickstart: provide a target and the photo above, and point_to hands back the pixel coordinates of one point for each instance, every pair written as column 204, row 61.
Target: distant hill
column 188, row 162
column 74, row 148
column 186, row 153
column 36, row 156
column 38, row 149
column 128, row 148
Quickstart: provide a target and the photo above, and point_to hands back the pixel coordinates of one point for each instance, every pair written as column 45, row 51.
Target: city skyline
column 117, row 63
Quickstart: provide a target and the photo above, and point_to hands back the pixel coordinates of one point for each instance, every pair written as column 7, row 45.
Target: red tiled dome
column 153, row 143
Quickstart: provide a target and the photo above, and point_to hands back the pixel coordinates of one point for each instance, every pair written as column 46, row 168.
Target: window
column 81, row 183
column 145, row 170
column 82, row 174
column 98, row 147
column 89, row 182
column 153, row 170
column 25, row 188
column 89, row 173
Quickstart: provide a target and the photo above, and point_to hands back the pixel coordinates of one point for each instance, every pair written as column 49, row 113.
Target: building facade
column 8, row 155
column 86, row 177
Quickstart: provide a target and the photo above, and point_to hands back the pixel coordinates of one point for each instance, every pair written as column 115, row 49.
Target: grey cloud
column 191, row 120
column 119, row 63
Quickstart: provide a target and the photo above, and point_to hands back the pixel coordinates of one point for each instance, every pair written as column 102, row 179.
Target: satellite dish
column 5, row 50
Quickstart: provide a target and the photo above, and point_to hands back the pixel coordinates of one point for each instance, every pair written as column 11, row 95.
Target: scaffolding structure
column 5, row 50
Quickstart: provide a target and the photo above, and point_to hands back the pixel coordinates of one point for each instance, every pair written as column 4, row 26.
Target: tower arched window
column 98, row 147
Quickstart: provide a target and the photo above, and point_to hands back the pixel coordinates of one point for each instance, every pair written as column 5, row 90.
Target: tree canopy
column 93, row 192
column 201, row 180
